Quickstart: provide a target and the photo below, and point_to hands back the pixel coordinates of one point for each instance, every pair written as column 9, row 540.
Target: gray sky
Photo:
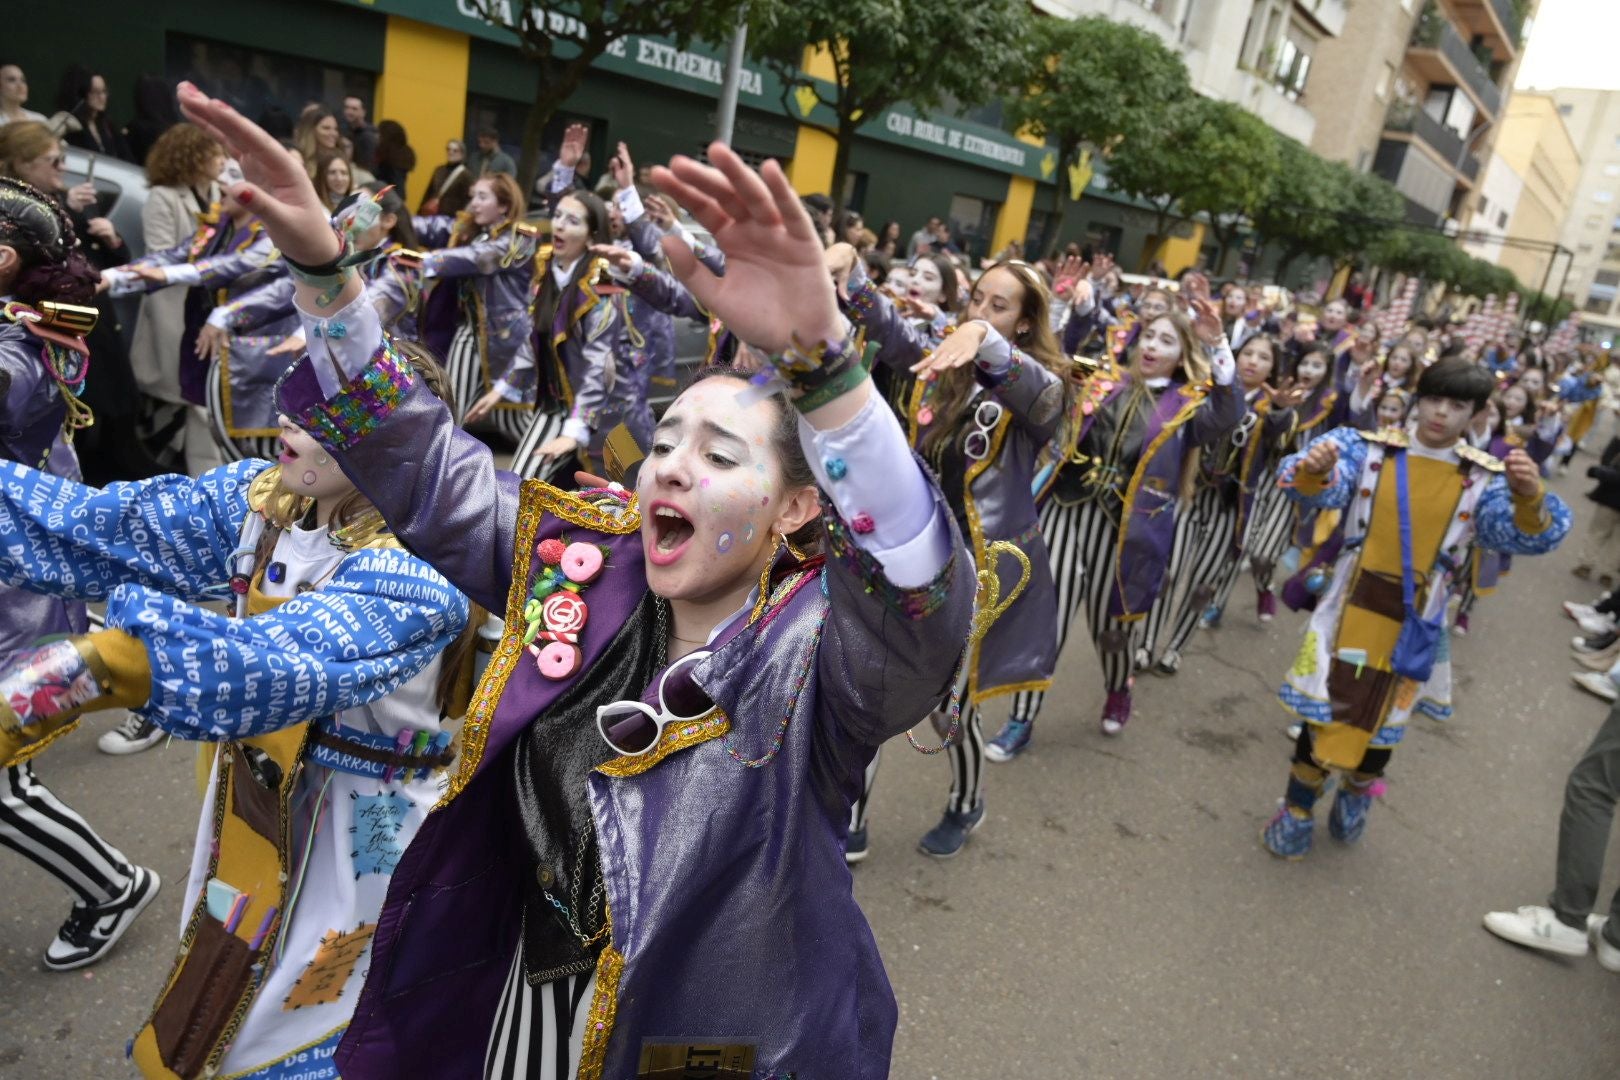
column 1572, row 44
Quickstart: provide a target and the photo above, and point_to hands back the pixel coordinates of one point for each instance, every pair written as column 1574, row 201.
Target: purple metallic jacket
column 1019, row 652
column 492, row 278
column 732, row 913
column 31, row 413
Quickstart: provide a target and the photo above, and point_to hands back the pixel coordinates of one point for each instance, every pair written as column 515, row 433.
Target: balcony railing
column 1434, row 31
column 1469, row 167
column 1507, row 12
column 1330, row 15
column 1445, row 142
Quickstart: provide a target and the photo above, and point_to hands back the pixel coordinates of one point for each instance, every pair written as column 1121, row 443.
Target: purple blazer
column 732, row 913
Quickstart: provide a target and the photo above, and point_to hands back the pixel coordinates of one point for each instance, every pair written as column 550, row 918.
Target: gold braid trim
column 535, row 499
column 712, row 725
column 604, row 1010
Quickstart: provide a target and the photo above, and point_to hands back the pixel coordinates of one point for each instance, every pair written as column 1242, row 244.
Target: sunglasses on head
column 632, row 728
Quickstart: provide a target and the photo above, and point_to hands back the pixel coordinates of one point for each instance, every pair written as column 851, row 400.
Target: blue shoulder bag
column 1419, row 643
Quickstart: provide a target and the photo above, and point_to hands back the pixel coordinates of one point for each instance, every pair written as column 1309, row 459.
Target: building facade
column 1525, row 215
column 1591, row 229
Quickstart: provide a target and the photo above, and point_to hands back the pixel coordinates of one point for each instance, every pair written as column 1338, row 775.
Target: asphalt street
column 1115, row 916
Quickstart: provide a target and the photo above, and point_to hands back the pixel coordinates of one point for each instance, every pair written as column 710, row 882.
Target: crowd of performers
column 477, row 738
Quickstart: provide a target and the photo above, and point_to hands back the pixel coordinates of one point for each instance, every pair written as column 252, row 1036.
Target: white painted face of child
column 1159, row 349
column 570, row 229
column 306, row 468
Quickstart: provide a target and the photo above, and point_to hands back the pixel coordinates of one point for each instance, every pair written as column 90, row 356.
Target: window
column 1501, row 219
column 1610, row 253
column 1610, row 279
column 1603, row 196
column 972, row 222
column 1484, row 205
column 1566, row 110
column 1293, row 67
column 1583, row 249
column 1386, row 79
column 1597, row 305
column 254, row 81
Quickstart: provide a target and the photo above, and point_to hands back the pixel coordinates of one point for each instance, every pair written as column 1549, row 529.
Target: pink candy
column 582, row 563
column 559, row 660
column 565, row 613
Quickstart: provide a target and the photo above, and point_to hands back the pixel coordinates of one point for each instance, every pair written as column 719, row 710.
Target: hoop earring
column 793, row 550
column 765, row 578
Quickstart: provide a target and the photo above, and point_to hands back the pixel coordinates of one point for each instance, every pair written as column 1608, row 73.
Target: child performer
column 326, row 693
column 666, row 776
column 1113, row 507
column 1376, row 651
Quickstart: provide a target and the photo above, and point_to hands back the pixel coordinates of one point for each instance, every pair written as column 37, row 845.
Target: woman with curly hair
column 181, row 169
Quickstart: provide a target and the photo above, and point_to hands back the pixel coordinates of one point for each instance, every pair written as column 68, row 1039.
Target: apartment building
column 1526, row 193
column 1592, row 226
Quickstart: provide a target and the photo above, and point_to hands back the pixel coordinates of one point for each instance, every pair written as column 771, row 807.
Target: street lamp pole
column 726, row 116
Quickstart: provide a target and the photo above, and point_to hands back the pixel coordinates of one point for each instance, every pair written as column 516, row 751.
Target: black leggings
column 1373, row 762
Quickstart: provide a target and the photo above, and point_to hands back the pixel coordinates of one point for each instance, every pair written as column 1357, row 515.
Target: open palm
column 776, row 287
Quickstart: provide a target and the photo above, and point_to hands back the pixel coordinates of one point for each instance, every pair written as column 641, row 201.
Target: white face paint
column 1311, row 370
column 306, row 468
column 1333, row 317
column 1391, row 411
column 570, row 229
column 711, row 493
column 1159, row 349
column 1235, row 303
column 926, row 285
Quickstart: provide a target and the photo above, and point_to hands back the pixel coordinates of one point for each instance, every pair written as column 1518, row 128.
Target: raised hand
column 1206, row 318
column 961, row 347
column 776, row 287
column 1285, row 395
column 277, row 190
column 1195, row 287
column 840, row 260
column 1523, row 474
column 622, row 168
column 1321, row 457
column 662, row 214
column 573, row 145
column 1367, row 377
column 621, row 259
column 211, row 342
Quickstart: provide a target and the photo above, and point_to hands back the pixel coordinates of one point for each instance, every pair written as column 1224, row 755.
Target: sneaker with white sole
column 92, row 929
column 130, row 737
column 1580, row 611
column 1594, row 624
column 1536, row 927
column 1608, row 956
column 1596, row 682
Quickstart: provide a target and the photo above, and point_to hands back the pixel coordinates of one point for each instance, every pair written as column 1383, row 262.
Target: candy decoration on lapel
column 556, row 613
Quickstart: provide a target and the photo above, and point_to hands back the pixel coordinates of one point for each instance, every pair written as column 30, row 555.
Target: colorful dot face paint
column 723, row 543
column 748, row 532
column 703, row 482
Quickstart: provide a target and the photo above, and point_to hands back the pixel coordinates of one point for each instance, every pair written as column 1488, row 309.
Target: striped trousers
column 1265, row 538
column 465, row 371
column 47, row 832
column 1206, row 559
column 1081, row 540
column 966, row 756
column 539, row 1030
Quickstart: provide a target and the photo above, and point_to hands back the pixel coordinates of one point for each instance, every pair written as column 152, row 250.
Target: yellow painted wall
column 1179, row 252
column 814, row 151
column 423, row 86
column 1012, row 223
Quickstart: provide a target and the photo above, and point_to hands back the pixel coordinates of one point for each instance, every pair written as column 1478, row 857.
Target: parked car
column 120, row 191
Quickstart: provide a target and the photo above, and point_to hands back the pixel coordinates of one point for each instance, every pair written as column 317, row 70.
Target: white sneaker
column 1596, row 682
column 1579, row 611
column 130, row 737
column 1294, row 729
column 1594, row 624
column 1608, row 957
column 1538, row 928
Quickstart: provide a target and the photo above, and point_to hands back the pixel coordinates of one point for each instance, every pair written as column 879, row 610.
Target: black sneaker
column 946, row 839
column 92, row 929
column 132, row 736
column 855, row 846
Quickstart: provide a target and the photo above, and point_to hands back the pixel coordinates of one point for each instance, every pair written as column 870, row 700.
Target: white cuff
column 123, row 283
column 878, row 479
column 630, row 208
column 1222, row 366
column 636, row 263
column 220, row 317
column 576, row 429
column 507, row 390
column 562, row 177
column 341, row 345
column 182, row 274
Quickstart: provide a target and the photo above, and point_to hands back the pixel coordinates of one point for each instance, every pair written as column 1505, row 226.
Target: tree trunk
column 1161, row 223
column 554, row 84
column 1288, row 257
column 846, row 141
column 1060, row 199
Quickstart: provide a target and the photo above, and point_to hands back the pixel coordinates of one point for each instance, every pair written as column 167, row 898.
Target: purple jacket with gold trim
column 732, row 913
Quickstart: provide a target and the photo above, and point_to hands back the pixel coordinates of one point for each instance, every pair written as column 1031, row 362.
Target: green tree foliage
column 1233, row 193
column 923, row 53
column 562, row 47
column 1090, row 84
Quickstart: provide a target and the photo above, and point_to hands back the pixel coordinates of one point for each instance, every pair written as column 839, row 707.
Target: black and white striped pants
column 1265, row 538
column 538, row 1030
column 1205, row 560
column 40, row 827
column 1080, row 540
column 234, row 447
column 966, row 756
column 465, row 371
